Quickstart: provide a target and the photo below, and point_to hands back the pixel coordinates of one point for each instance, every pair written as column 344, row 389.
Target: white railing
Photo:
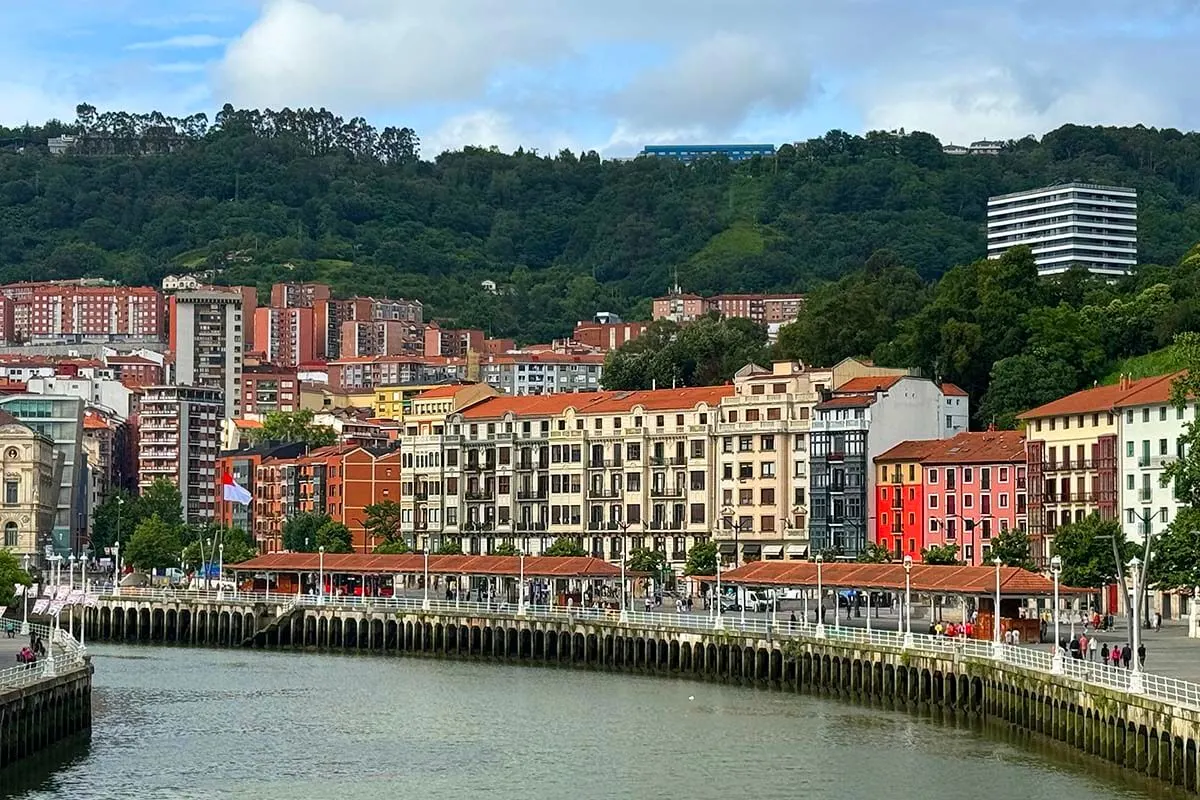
column 64, row 653
column 1031, row 657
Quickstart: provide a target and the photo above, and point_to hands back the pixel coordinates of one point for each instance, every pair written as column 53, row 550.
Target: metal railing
column 65, row 653
column 1031, row 657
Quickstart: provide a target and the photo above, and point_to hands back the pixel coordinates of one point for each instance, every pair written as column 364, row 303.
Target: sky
column 616, row 74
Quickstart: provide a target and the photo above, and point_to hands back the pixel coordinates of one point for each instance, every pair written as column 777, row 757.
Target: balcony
column 600, row 463
column 666, row 525
column 897, row 502
column 1144, row 495
column 836, row 455
column 480, row 495
column 677, row 461
column 601, row 493
column 602, row 525
column 525, row 526
column 539, row 494
column 668, row 491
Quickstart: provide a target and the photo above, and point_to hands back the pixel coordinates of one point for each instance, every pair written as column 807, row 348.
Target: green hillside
column 568, row 234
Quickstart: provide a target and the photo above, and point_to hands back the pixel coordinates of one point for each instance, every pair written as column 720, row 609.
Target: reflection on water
column 177, row 723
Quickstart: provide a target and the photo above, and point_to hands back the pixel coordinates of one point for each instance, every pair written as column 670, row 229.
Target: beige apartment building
column 31, row 475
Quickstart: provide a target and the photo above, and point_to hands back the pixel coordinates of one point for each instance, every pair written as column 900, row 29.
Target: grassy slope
column 1158, row 362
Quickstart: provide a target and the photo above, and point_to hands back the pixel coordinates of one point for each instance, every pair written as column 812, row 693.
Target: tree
column 335, row 538
column 450, row 547
column 875, row 554
column 1086, row 550
column 155, row 544
column 300, row 532
column 118, row 508
column 1175, row 563
column 383, row 521
column 701, row 559
column 1021, row 382
column 394, row 548
column 941, row 554
column 1012, row 548
column 704, row 353
column 565, row 546
column 294, row 426
column 162, row 499
column 643, row 559
column 1184, row 471
column 507, row 550
column 11, row 574
column 237, row 546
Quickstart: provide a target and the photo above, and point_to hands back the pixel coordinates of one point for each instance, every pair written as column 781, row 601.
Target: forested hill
column 306, row 194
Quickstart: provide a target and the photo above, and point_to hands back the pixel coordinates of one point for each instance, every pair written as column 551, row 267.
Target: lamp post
column 821, row 599
column 997, row 648
column 117, row 567
column 718, row 623
column 1056, row 664
column 736, row 527
column 1137, row 572
column 425, row 599
column 320, row 576
column 520, row 587
column 220, row 569
column 25, row 599
column 908, row 637
column 624, row 612
column 70, row 589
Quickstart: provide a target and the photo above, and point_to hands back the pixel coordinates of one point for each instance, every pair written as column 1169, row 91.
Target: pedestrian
column 1016, row 634
column 1103, row 652
column 1114, row 655
column 1157, row 621
column 1083, row 645
column 1126, row 655
column 1092, row 648
column 1141, row 654
column 1073, row 648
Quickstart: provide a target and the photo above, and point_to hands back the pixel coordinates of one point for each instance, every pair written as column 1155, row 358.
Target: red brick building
column 607, row 335
column 97, row 313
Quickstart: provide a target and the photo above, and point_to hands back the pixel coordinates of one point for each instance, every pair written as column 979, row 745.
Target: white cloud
column 181, row 67
column 189, row 41
column 491, row 128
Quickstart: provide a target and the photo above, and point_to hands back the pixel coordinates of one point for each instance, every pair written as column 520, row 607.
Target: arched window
column 10, row 534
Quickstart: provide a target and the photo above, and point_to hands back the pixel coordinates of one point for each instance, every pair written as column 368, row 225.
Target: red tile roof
column 449, row 390
column 414, row 564
column 847, row 401
column 1014, row 581
column 1156, row 392
column 869, row 383
column 1099, row 398
column 661, row 399
column 912, row 450
column 951, row 390
column 543, row 405
column 248, row 424
column 979, row 447
column 93, row 422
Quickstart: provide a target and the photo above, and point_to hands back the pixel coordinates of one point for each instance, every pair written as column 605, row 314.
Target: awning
column 796, row 551
column 773, row 551
column 751, row 549
column 728, row 549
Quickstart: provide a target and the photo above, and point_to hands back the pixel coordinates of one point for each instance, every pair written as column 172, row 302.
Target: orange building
column 900, row 498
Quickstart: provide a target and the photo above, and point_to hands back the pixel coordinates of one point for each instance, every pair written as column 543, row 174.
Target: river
column 178, row 723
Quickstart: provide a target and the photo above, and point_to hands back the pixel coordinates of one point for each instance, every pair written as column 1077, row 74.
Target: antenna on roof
column 653, row 383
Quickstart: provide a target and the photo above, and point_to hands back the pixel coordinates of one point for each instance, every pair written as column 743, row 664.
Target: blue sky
column 617, row 74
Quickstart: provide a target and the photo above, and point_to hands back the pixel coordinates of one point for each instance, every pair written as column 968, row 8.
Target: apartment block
column 180, row 441
column 60, row 419
column 285, row 336
column 136, row 369
column 267, row 389
column 1151, row 432
column 382, row 338
column 452, row 343
column 96, row 314
column 766, row 309
column 859, row 420
column 208, row 339
column 542, row 372
column 960, row 491
column 364, row 374
column 243, row 465
column 1068, row 224
column 607, row 335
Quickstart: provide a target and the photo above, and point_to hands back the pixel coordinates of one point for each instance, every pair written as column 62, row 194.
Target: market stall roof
column 414, row 564
column 925, row 578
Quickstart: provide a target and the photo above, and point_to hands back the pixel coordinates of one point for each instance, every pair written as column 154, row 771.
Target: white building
column 1068, row 224
column 208, row 337
column 109, row 394
column 178, row 283
column 1150, row 431
column 179, row 440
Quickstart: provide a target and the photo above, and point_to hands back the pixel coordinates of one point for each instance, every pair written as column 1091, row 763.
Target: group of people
column 30, row 653
column 1083, row 647
column 953, row 629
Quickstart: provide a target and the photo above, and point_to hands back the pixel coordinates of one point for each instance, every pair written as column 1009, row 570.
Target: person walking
column 1114, row 655
column 1141, row 655
column 1103, row 652
column 1092, row 645
column 1083, row 645
column 1157, row 621
column 1126, row 655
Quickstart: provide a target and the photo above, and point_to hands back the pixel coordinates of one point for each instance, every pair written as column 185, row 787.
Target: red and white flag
column 233, row 492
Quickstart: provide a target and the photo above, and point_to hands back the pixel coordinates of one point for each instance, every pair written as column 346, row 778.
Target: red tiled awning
column 414, row 564
column 925, row 578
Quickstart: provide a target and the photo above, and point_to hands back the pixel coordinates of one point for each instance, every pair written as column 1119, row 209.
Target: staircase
column 283, row 615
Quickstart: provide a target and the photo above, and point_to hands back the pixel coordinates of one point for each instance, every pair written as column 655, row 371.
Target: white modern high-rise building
column 1066, row 225
column 179, row 440
column 207, row 337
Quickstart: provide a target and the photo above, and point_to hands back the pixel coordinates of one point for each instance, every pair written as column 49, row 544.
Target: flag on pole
column 233, row 492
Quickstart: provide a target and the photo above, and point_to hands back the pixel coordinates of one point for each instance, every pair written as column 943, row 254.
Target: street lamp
column 425, row 599
column 320, row 576
column 908, row 637
column 820, row 559
column 624, row 611
column 997, row 648
column 718, row 623
column 25, row 599
column 1136, row 571
column 1056, row 664
column 220, row 569
column 520, row 587
column 736, row 526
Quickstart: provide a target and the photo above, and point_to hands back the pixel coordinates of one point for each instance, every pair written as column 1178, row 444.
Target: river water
column 178, row 723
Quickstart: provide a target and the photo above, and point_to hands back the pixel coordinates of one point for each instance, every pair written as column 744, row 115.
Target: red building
column 266, row 389
column 607, row 335
column 97, row 313
column 900, row 499
column 136, row 370
column 285, row 336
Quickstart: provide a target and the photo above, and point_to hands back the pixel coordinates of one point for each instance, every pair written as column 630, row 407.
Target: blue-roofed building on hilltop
column 687, row 153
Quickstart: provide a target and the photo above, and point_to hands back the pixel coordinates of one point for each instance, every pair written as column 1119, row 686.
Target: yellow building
column 31, row 475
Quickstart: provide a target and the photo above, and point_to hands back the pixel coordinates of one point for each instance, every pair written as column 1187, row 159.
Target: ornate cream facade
column 29, row 494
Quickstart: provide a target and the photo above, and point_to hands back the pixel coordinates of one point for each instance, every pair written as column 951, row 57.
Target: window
column 967, row 474
column 933, row 476
column 1129, row 449
column 1004, row 474
column 1162, row 413
column 1129, row 416
column 767, row 497
column 933, row 501
column 768, row 469
column 745, row 470
column 10, row 535
column 767, row 444
column 11, row 491
column 1145, row 415
column 696, row 511
column 745, row 444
